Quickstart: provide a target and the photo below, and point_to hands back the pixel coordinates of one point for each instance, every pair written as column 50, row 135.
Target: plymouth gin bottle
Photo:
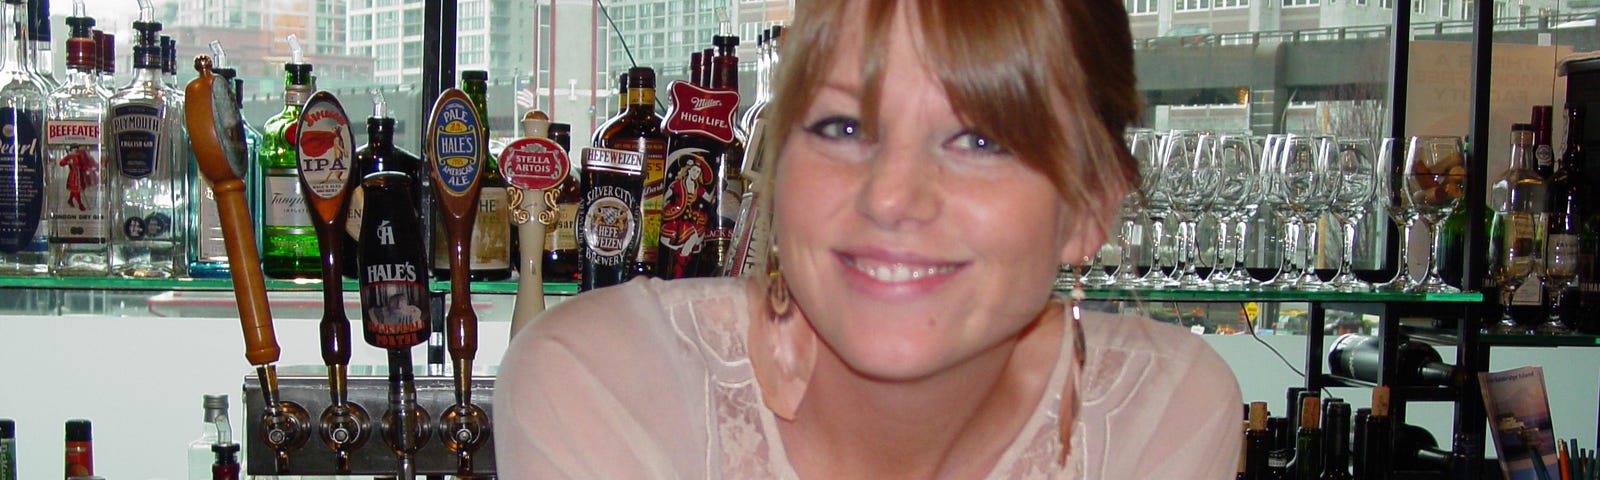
column 78, row 209
column 145, row 187
column 288, row 243
column 23, row 249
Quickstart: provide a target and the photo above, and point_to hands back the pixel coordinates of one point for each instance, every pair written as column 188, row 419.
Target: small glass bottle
column 214, row 431
column 24, row 230
column 79, row 214
column 80, row 449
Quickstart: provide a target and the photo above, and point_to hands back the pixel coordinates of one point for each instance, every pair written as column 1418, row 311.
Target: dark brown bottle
column 1257, row 443
column 607, row 225
column 1570, row 234
column 562, row 259
column 380, row 154
column 610, row 125
column 695, row 236
column 1336, row 442
column 640, row 131
column 1376, row 448
column 490, row 254
column 1357, row 357
column 730, row 182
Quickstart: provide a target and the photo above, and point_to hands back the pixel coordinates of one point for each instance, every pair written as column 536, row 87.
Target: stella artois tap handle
column 216, row 134
column 455, row 149
column 534, row 166
column 323, row 150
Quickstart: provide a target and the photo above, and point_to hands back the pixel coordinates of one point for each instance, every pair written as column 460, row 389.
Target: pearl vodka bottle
column 23, row 248
column 79, row 215
column 145, row 206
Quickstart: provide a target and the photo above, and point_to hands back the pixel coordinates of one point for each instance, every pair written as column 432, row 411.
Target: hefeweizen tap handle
column 216, row 134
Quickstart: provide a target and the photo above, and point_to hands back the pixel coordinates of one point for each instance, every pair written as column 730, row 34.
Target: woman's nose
column 900, row 190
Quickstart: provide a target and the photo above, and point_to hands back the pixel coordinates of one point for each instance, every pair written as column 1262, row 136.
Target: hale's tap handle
column 216, row 133
column 454, row 149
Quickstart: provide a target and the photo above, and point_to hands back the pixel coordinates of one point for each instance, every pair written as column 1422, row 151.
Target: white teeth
column 899, row 272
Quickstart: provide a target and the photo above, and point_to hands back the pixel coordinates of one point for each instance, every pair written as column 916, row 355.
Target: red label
column 698, row 111
column 534, row 164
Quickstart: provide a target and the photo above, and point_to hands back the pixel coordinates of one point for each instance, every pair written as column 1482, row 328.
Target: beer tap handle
column 324, row 151
column 454, row 149
column 217, row 137
column 535, row 167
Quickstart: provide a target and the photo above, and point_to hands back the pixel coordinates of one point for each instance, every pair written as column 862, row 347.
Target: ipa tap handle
column 216, row 133
column 324, row 148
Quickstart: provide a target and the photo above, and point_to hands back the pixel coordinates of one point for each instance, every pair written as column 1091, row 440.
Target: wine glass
column 1305, row 174
column 1235, row 200
column 1357, row 169
column 1142, row 145
column 1391, row 188
column 1560, row 272
column 1157, row 206
column 1188, row 180
column 1435, row 180
column 1270, row 196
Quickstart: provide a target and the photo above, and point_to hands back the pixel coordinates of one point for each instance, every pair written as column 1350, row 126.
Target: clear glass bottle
column 23, row 228
column 214, row 430
column 1519, row 198
column 208, row 254
column 288, row 243
column 79, row 214
column 40, row 53
column 145, row 240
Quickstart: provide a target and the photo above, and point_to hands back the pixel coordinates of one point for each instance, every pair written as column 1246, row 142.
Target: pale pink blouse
column 652, row 380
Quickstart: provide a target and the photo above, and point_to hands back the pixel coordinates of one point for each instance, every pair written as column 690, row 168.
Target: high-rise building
column 491, row 35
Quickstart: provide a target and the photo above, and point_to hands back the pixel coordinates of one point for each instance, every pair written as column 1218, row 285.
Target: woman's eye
column 977, row 142
column 836, row 128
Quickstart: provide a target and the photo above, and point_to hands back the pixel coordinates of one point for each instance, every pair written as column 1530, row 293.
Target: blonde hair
column 1051, row 80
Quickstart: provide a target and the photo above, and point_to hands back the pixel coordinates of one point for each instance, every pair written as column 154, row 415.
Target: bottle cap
column 78, row 430
column 8, row 428
column 535, row 124
column 641, row 77
column 1380, row 401
column 226, row 454
column 1310, row 413
column 1258, row 416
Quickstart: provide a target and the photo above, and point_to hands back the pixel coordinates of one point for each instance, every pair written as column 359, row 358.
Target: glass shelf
column 565, row 288
column 1540, row 340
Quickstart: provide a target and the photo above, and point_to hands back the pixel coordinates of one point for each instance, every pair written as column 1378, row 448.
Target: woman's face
column 925, row 246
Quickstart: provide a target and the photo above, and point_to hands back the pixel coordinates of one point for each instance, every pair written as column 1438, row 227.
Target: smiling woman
column 927, row 188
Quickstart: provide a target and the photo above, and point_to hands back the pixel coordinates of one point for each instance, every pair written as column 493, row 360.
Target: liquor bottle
column 1244, row 459
column 730, row 182
column 8, row 449
column 702, row 148
column 640, row 131
column 1375, row 446
column 1358, row 442
column 380, row 154
column 1543, row 154
column 1570, row 205
column 612, row 123
column 40, row 52
column 490, row 254
column 1519, row 198
column 23, row 229
column 562, row 259
column 1307, row 463
column 393, row 262
column 80, row 449
column 146, row 185
column 226, row 466
column 108, row 60
column 1278, row 457
column 1257, row 442
column 1357, row 357
column 214, row 431
column 1336, row 463
column 288, row 243
column 751, row 244
column 79, row 214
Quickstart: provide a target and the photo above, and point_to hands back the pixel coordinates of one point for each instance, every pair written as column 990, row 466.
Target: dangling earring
column 1074, row 394
column 782, row 353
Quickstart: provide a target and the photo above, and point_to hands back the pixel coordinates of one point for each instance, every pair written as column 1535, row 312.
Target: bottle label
column 561, row 237
column 608, row 225
column 352, row 215
column 701, row 111
column 1545, row 156
column 136, row 134
column 286, row 206
column 79, row 213
column 686, row 210
column 22, row 192
column 491, row 235
column 211, row 247
column 654, row 153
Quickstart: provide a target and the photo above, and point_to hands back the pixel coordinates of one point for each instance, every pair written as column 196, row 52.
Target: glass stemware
column 1391, row 188
column 1308, row 182
column 1187, row 178
column 1270, row 196
column 1435, row 180
column 1357, row 168
column 1560, row 272
column 1157, row 206
column 1235, row 201
column 1142, row 145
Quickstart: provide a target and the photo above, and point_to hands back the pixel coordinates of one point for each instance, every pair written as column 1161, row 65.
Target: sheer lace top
column 652, row 379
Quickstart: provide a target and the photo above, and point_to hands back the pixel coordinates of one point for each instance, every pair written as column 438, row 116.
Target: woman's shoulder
column 1141, row 334
column 643, row 313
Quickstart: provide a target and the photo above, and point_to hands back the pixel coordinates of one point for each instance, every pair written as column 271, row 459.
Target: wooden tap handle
column 217, row 137
column 455, row 150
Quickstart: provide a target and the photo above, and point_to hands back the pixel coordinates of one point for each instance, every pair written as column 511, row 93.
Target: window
column 1141, row 7
column 1444, row 8
column 1300, row 3
column 1190, row 5
column 1419, row 7
column 1222, row 4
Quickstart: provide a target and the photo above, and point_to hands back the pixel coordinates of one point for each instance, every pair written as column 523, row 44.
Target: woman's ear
column 1085, row 230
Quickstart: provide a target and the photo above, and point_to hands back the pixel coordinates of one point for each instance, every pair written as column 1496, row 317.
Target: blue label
column 135, row 133
column 456, row 146
column 22, row 189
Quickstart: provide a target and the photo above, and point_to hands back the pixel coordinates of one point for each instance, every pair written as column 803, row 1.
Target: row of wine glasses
column 1231, row 178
